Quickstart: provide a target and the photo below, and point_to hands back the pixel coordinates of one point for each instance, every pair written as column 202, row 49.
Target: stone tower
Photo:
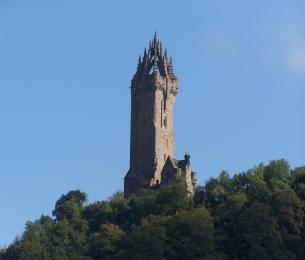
column 154, row 88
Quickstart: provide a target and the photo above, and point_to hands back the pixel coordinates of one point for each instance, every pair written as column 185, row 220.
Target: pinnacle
column 155, row 36
column 155, row 46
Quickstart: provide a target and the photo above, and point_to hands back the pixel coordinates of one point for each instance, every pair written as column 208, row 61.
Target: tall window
column 161, row 113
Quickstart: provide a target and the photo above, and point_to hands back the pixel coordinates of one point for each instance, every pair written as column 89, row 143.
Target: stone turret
column 154, row 88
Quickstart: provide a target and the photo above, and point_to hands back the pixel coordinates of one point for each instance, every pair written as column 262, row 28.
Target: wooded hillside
column 257, row 214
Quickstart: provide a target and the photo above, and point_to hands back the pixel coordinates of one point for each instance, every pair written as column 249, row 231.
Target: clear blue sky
column 65, row 71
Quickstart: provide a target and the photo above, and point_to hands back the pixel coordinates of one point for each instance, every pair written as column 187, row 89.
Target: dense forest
column 256, row 214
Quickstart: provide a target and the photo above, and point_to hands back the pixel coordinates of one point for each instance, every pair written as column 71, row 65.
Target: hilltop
column 256, row 214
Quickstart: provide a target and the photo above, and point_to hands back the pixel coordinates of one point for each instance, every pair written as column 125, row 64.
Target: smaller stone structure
column 174, row 168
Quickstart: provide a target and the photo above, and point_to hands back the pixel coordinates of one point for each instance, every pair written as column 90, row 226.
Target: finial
column 145, row 52
column 165, row 53
column 155, row 36
column 140, row 60
column 160, row 47
column 170, row 60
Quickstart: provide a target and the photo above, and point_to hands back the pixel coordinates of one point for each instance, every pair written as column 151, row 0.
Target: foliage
column 256, row 214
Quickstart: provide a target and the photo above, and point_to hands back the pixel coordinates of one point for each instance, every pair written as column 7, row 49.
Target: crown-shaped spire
column 155, row 60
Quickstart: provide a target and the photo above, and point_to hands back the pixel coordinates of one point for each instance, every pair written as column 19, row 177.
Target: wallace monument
column 154, row 88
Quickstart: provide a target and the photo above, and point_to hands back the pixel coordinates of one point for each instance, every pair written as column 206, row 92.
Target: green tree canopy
column 255, row 214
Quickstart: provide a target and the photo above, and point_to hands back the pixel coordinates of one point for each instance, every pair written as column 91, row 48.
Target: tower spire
column 155, row 60
column 155, row 37
column 145, row 53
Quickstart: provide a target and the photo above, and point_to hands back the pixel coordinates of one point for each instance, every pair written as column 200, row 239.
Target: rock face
column 154, row 88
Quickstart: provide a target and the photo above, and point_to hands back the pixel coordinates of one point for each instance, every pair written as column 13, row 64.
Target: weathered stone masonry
column 154, row 88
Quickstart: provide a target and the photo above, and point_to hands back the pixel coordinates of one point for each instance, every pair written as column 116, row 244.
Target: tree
column 147, row 240
column 215, row 193
column 104, row 244
column 33, row 244
column 97, row 214
column 191, row 236
column 276, row 174
column 70, row 205
column 289, row 212
column 298, row 181
column 173, row 198
column 256, row 229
